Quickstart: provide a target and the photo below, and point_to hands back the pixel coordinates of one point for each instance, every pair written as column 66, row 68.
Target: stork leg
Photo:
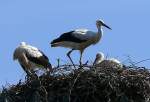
column 27, row 71
column 81, row 53
column 68, row 54
column 30, row 74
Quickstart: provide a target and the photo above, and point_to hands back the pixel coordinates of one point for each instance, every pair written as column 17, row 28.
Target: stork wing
column 18, row 53
column 37, row 57
column 15, row 54
column 69, row 36
column 84, row 34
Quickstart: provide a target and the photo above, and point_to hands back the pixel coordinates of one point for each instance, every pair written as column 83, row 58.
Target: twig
column 58, row 62
column 90, row 66
column 70, row 91
column 46, row 93
column 141, row 61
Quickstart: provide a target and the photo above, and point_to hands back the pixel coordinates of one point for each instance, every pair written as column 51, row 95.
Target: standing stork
column 79, row 39
column 30, row 58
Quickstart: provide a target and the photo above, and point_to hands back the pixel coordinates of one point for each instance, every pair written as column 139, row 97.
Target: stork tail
column 54, row 45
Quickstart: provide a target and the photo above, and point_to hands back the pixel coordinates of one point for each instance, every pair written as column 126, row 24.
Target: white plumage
column 79, row 39
column 101, row 61
column 30, row 58
column 99, row 58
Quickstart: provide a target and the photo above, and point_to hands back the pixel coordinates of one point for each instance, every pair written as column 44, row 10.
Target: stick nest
column 95, row 84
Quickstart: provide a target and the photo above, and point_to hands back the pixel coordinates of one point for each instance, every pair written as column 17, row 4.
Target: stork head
column 100, row 23
column 23, row 43
column 100, row 56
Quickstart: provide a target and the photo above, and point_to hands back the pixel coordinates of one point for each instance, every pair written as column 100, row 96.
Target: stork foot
column 81, row 65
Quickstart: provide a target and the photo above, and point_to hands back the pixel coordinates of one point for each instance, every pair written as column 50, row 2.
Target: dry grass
column 98, row 84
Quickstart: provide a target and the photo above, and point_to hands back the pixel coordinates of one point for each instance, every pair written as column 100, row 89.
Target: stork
column 31, row 58
column 79, row 39
column 111, row 62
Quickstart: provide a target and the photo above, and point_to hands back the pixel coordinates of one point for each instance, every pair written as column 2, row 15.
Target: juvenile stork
column 79, row 39
column 110, row 63
column 30, row 58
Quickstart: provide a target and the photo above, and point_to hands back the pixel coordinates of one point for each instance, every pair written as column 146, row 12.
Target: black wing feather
column 68, row 37
column 44, row 55
column 43, row 60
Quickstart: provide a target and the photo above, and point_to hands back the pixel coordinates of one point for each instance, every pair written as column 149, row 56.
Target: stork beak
column 106, row 26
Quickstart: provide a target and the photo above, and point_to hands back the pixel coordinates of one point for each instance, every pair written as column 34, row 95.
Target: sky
column 38, row 22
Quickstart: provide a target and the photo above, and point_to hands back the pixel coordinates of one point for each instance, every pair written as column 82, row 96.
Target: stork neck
column 99, row 29
column 100, row 32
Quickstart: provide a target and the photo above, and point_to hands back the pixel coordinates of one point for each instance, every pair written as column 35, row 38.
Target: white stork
column 101, row 61
column 30, row 58
column 79, row 39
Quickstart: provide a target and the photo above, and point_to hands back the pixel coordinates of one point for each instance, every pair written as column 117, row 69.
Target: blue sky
column 38, row 22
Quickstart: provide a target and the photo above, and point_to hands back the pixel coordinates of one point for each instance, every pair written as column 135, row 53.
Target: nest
column 95, row 84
